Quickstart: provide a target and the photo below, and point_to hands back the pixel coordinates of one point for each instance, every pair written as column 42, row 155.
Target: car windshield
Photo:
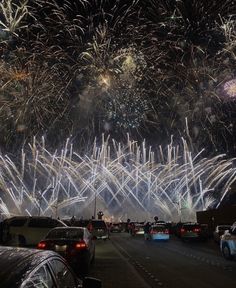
column 65, row 233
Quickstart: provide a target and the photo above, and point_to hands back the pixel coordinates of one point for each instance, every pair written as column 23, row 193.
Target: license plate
column 60, row 248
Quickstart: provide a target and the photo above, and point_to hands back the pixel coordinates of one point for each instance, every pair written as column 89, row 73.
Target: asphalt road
column 132, row 262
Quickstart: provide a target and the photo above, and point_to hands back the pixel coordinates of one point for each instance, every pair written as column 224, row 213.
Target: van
column 98, row 228
column 27, row 230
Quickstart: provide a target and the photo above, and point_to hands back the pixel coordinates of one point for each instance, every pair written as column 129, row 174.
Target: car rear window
column 80, row 223
column 159, row 228
column 222, row 228
column 99, row 224
column 191, row 226
column 17, row 222
column 44, row 223
column 65, row 233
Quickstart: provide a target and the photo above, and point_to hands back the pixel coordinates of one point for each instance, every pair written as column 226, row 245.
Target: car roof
column 29, row 217
column 69, row 228
column 16, row 263
column 26, row 217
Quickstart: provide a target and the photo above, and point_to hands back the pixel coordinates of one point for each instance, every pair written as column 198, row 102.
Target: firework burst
column 141, row 66
column 124, row 178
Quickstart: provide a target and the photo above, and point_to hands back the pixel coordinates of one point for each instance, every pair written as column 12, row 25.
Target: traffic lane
column 114, row 269
column 177, row 265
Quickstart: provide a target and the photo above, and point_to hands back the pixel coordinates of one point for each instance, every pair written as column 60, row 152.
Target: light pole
column 95, row 205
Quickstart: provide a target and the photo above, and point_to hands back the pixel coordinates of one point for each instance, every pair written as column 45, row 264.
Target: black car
column 75, row 244
column 116, row 228
column 191, row 231
column 32, row 268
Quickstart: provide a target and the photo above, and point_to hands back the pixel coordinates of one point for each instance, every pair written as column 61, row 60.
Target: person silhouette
column 156, row 219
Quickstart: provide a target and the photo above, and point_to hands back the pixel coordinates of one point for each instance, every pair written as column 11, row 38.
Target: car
column 228, row 243
column 159, row 232
column 177, row 229
column 27, row 230
column 219, row 231
column 138, row 228
column 191, row 231
column 98, row 228
column 116, row 228
column 75, row 244
column 33, row 268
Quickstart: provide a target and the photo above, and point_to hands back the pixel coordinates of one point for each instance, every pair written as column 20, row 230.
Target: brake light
column 196, row 230
column 81, row 245
column 182, row 230
column 152, row 232
column 42, row 245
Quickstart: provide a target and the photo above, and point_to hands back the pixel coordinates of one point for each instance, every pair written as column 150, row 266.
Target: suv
column 97, row 228
column 27, row 230
column 228, row 243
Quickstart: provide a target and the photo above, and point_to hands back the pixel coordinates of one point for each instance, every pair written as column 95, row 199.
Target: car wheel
column 226, row 252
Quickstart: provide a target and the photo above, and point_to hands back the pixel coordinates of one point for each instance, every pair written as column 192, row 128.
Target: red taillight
column 182, row 230
column 81, row 245
column 42, row 245
column 196, row 230
column 153, row 232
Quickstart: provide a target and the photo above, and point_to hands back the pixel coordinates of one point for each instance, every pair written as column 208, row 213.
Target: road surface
column 132, row 262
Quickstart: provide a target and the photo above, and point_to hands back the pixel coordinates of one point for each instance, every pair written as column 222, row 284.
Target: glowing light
column 230, row 89
column 104, row 81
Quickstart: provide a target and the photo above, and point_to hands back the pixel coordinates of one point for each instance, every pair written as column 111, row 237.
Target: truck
column 214, row 217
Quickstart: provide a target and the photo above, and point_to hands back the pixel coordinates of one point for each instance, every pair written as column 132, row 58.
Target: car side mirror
column 90, row 282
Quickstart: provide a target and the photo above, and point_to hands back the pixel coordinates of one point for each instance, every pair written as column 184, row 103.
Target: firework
column 230, row 89
column 141, row 67
column 123, row 178
column 12, row 13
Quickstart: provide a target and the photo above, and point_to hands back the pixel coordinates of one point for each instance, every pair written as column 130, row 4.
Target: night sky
column 148, row 68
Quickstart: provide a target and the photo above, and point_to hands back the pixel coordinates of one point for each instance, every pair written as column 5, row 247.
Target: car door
column 232, row 241
column 40, row 277
column 64, row 277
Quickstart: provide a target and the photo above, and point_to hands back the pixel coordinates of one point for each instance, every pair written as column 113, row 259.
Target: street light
column 95, row 205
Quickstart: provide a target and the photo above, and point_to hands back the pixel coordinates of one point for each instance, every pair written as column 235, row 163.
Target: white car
column 228, row 243
column 159, row 232
column 27, row 230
